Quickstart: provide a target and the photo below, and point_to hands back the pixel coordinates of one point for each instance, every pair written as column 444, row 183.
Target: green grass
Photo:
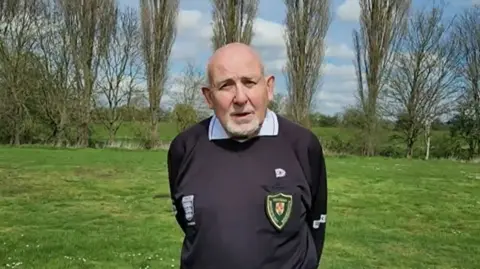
column 95, row 209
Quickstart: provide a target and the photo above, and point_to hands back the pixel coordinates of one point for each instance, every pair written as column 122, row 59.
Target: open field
column 95, row 209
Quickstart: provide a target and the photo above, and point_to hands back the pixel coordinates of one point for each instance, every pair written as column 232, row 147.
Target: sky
column 338, row 83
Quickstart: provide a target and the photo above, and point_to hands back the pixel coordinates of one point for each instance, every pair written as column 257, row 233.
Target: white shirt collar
column 269, row 127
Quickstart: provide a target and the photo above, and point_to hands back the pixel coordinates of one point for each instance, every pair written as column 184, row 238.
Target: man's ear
column 270, row 86
column 207, row 94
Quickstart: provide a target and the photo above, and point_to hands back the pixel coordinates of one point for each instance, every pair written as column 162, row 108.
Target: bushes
column 184, row 116
column 390, row 144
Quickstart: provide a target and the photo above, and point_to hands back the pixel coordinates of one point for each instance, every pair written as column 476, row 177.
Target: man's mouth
column 241, row 115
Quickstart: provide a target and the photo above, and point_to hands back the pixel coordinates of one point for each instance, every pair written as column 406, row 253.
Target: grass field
column 95, row 209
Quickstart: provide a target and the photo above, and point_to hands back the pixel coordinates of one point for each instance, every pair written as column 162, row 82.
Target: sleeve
column 174, row 160
column 318, row 212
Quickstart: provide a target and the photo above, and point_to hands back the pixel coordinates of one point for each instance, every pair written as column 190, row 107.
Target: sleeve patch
column 322, row 219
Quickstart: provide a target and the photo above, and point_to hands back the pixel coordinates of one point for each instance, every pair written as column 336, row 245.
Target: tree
column 188, row 85
column 55, row 101
column 306, row 24
column 382, row 23
column 18, row 22
column 467, row 32
column 119, row 70
column 184, row 116
column 233, row 21
column 278, row 104
column 423, row 78
column 90, row 26
column 158, row 22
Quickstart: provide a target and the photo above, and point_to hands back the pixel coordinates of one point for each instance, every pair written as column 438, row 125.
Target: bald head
column 239, row 92
column 230, row 55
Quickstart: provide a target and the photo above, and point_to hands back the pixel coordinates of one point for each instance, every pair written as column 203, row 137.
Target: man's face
column 239, row 94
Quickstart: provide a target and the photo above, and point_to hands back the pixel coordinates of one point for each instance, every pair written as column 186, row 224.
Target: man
column 249, row 187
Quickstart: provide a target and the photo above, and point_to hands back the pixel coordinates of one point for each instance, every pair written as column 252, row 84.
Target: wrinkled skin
column 238, row 91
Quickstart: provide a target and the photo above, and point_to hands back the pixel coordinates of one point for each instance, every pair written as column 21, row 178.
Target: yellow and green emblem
column 279, row 208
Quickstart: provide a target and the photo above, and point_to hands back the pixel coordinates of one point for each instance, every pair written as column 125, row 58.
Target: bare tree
column 188, row 84
column 468, row 110
column 158, row 20
column 278, row 104
column 119, row 71
column 17, row 40
column 423, row 78
column 307, row 23
column 54, row 96
column 382, row 23
column 233, row 21
column 90, row 25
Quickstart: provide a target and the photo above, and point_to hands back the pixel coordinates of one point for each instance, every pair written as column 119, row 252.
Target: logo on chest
column 279, row 208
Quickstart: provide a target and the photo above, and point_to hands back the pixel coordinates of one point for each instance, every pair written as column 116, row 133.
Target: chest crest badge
column 279, row 208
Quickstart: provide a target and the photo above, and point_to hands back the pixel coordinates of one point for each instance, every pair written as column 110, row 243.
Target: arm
column 318, row 213
column 174, row 160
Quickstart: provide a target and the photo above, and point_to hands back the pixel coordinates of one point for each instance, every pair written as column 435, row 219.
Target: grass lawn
column 95, row 209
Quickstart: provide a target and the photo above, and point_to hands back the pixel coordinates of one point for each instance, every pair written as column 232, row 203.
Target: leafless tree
column 188, row 85
column 306, row 23
column 468, row 34
column 158, row 22
column 17, row 40
column 423, row 79
column 90, row 26
column 119, row 71
column 233, row 21
column 55, row 69
column 382, row 23
column 279, row 103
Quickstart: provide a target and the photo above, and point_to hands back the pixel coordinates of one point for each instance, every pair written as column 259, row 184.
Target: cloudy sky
column 192, row 43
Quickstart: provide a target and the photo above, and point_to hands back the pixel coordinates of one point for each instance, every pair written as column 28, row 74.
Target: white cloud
column 268, row 34
column 349, row 10
column 343, row 71
column 193, row 41
column 188, row 20
column 339, row 51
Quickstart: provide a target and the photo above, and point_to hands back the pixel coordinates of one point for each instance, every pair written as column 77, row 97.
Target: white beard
column 242, row 129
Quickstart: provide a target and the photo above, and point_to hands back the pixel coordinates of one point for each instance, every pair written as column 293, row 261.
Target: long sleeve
column 318, row 213
column 174, row 160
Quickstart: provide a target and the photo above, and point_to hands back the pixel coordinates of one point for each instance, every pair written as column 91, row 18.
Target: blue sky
column 192, row 43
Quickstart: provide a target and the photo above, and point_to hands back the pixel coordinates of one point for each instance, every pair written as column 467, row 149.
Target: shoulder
column 187, row 139
column 299, row 136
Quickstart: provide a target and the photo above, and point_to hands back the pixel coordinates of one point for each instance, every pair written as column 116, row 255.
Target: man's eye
column 249, row 83
column 225, row 87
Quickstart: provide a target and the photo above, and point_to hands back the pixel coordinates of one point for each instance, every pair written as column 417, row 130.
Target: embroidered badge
column 279, row 208
column 187, row 203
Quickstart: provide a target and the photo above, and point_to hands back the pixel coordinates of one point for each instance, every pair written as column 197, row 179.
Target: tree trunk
column 427, row 140
column 17, row 128
column 410, row 142
column 111, row 133
column 59, row 135
column 153, row 130
column 370, row 132
column 409, row 148
column 83, row 133
column 16, row 139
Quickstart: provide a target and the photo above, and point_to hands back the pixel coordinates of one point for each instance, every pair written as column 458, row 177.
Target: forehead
column 235, row 67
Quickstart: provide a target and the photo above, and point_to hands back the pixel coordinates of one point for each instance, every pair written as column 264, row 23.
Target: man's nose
column 240, row 95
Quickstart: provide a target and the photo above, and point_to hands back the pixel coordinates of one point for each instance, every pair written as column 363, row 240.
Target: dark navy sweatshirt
column 254, row 204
